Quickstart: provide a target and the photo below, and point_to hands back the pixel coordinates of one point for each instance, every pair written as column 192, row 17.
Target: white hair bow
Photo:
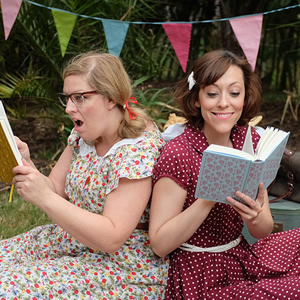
column 191, row 80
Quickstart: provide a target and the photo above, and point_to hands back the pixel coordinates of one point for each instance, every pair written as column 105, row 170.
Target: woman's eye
column 212, row 95
column 79, row 98
column 235, row 94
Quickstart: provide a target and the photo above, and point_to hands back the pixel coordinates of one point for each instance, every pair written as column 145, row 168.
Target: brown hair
column 207, row 70
column 106, row 74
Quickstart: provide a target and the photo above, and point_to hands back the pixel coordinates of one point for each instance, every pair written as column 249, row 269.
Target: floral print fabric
column 48, row 263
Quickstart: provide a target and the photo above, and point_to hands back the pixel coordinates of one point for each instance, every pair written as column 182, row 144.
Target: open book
column 226, row 170
column 9, row 153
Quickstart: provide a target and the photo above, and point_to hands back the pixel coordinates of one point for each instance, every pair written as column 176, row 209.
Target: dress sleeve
column 135, row 161
column 175, row 163
column 73, row 140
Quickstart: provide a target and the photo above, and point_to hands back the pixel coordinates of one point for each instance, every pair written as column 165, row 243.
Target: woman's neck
column 222, row 142
column 110, row 135
column 222, row 139
column 104, row 143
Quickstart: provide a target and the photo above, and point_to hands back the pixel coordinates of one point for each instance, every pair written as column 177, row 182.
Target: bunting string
column 247, row 29
column 168, row 22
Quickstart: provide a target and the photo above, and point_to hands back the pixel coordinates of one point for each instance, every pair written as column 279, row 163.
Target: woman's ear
column 197, row 103
column 111, row 104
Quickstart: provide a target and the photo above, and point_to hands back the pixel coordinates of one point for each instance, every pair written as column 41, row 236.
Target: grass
column 18, row 216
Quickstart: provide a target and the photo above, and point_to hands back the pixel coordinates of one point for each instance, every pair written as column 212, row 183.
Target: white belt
column 221, row 248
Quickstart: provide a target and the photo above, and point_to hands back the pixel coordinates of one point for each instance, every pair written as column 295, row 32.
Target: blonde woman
column 97, row 195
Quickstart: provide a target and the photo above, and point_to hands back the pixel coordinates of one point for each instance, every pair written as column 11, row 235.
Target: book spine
column 254, row 178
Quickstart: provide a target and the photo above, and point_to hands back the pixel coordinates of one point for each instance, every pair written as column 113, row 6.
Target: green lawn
column 18, row 216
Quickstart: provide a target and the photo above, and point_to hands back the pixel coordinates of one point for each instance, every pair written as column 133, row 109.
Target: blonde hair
column 106, row 74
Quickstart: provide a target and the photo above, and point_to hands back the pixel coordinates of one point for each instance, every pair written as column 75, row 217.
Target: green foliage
column 158, row 103
column 18, row 216
column 30, row 86
column 31, row 60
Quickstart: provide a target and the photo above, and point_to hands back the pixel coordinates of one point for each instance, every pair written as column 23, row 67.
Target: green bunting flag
column 64, row 23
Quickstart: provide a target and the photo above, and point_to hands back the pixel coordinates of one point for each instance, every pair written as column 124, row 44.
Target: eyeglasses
column 76, row 98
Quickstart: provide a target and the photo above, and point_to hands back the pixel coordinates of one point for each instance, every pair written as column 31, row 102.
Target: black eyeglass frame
column 62, row 97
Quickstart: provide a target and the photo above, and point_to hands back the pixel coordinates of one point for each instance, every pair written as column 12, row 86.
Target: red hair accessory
column 132, row 115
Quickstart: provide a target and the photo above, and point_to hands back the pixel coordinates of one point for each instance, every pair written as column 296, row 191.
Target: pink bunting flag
column 10, row 10
column 248, row 32
column 179, row 35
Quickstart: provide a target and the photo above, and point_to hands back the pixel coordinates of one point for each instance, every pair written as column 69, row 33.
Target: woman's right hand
column 23, row 149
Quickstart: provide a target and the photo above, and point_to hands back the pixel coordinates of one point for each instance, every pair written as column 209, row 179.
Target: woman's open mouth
column 78, row 124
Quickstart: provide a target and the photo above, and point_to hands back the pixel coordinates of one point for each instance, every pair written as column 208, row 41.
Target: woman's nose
column 70, row 107
column 224, row 100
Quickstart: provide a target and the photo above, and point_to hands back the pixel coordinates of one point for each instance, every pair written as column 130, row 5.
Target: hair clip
column 132, row 115
column 191, row 80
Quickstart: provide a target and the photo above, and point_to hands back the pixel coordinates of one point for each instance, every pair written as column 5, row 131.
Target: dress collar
column 199, row 141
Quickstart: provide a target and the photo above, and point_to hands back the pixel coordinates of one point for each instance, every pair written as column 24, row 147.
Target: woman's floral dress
column 48, row 263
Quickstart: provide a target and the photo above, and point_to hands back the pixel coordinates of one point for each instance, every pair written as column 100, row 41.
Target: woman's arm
column 58, row 174
column 169, row 225
column 256, row 214
column 123, row 209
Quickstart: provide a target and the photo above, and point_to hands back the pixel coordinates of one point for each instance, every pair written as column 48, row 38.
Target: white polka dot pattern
column 268, row 269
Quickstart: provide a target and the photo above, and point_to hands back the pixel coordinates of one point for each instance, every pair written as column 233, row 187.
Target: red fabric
column 179, row 35
column 269, row 269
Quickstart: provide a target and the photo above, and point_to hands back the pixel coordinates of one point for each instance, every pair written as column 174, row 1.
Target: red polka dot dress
column 268, row 269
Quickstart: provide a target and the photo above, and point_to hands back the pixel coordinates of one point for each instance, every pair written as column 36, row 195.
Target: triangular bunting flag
column 248, row 32
column 179, row 35
column 115, row 33
column 64, row 23
column 10, row 10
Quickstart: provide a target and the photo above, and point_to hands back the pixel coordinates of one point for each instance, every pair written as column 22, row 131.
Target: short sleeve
column 134, row 160
column 73, row 139
column 175, row 163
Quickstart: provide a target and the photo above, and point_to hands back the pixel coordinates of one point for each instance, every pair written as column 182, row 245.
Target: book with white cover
column 226, row 170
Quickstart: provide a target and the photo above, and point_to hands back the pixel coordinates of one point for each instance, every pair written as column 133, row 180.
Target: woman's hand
column 24, row 150
column 255, row 213
column 252, row 208
column 30, row 184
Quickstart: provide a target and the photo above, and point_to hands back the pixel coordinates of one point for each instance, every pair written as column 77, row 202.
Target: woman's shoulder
column 151, row 135
column 187, row 136
column 178, row 148
column 149, row 141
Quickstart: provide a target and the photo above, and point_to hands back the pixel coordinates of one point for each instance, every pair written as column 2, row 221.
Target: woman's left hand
column 250, row 209
column 30, row 184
